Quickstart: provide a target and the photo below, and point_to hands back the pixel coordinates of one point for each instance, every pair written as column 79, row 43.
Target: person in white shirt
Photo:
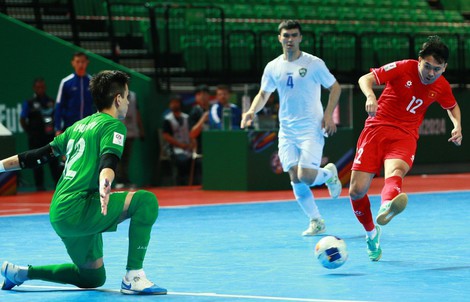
column 298, row 77
column 176, row 134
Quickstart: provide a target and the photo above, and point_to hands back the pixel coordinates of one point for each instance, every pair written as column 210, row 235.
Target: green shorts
column 81, row 232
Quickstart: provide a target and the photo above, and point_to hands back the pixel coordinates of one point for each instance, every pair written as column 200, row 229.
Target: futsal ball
column 331, row 252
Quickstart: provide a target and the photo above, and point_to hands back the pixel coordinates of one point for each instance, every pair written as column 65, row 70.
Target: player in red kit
column 390, row 133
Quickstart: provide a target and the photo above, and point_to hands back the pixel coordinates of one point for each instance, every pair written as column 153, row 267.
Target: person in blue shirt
column 37, row 120
column 74, row 100
column 216, row 111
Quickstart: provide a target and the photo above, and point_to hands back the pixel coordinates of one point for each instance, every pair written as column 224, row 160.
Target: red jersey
column 405, row 99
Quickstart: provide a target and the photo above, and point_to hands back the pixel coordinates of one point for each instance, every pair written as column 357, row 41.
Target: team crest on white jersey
column 118, row 139
column 302, row 72
column 390, row 66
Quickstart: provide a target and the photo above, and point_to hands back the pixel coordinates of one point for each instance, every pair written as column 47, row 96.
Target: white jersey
column 298, row 84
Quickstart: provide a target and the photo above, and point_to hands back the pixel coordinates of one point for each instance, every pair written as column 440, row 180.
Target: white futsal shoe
column 333, row 184
column 140, row 285
column 316, row 226
column 392, row 208
column 11, row 273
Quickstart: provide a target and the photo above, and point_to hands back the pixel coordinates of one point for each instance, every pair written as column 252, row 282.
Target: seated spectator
column 216, row 113
column 176, row 134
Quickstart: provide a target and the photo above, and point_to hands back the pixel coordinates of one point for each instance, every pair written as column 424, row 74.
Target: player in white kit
column 298, row 77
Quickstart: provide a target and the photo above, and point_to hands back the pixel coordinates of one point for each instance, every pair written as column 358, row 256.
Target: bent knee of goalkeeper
column 144, row 207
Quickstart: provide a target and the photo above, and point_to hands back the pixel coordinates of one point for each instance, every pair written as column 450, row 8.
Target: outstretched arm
column 27, row 160
column 259, row 102
column 454, row 115
column 10, row 164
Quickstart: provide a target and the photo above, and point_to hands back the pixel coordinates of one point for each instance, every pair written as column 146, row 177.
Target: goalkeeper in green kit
column 83, row 207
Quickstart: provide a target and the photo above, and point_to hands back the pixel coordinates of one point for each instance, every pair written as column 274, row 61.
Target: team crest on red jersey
column 432, row 94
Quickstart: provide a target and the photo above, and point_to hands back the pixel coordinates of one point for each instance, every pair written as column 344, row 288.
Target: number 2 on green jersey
column 74, row 152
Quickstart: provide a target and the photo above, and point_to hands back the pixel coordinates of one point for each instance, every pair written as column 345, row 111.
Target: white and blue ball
column 331, row 252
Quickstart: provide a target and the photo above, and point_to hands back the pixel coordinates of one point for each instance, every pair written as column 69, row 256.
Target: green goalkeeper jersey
column 83, row 144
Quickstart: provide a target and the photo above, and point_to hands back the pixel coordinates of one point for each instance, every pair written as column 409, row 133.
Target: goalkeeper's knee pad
column 144, row 207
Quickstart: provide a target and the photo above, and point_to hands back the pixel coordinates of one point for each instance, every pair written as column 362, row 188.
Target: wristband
column 2, row 168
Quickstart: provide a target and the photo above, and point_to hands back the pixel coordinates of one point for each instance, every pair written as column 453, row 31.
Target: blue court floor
column 254, row 252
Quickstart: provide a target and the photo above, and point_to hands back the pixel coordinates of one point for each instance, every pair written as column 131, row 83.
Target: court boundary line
column 293, row 200
column 204, row 294
column 253, row 202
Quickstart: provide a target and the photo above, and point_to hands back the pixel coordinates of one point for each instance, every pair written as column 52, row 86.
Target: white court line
column 259, row 297
column 26, row 214
column 252, row 202
column 33, row 204
column 292, row 200
column 228, row 203
column 16, row 210
column 215, row 295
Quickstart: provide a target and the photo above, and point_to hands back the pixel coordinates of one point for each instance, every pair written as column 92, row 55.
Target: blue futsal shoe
column 373, row 245
column 140, row 285
column 10, row 272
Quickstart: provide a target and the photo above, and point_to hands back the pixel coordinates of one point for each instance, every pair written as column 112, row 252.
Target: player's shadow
column 450, row 268
column 27, row 289
column 343, row 275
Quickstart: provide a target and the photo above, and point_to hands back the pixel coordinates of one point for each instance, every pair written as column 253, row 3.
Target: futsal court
column 246, row 246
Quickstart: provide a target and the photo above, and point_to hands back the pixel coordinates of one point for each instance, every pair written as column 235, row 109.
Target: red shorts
column 378, row 143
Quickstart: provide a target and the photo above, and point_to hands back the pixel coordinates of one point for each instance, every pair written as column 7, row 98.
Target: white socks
column 135, row 273
column 372, row 234
column 304, row 197
column 22, row 274
column 322, row 176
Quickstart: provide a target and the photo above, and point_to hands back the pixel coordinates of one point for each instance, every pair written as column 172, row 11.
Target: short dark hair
column 176, row 97
column 80, row 54
column 38, row 80
column 105, row 85
column 201, row 88
column 224, row 87
column 289, row 24
column 436, row 48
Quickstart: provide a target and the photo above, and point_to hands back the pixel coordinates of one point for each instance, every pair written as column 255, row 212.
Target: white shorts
column 305, row 151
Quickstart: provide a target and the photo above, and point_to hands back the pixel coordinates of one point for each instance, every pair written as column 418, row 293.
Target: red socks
column 391, row 188
column 361, row 206
column 362, row 211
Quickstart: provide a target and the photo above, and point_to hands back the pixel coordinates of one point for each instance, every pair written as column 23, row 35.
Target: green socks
column 143, row 212
column 70, row 274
